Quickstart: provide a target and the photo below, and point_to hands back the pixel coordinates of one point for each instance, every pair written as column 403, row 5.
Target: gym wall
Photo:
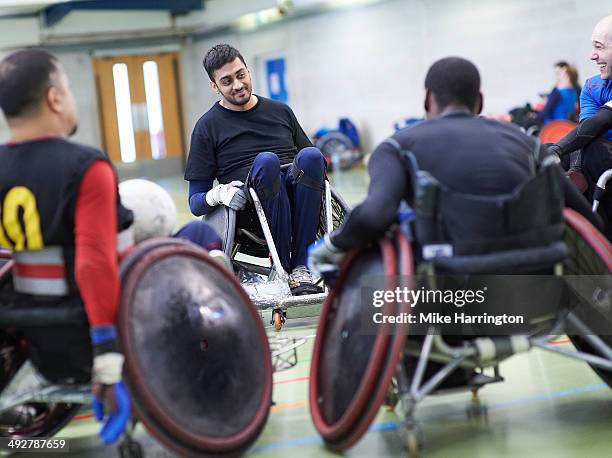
column 368, row 62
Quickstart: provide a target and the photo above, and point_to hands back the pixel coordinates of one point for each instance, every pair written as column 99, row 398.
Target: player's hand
column 111, row 405
column 231, row 195
column 324, row 257
column 111, row 402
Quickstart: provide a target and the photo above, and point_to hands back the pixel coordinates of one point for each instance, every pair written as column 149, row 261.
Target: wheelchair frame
column 273, row 293
column 480, row 353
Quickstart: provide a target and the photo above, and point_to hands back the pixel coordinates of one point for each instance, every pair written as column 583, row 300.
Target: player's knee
column 311, row 160
column 267, row 162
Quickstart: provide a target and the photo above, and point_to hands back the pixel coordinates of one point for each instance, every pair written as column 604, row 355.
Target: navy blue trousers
column 292, row 205
column 200, row 233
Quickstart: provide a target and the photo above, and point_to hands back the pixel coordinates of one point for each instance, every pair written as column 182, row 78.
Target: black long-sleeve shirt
column 584, row 133
column 465, row 153
column 224, row 144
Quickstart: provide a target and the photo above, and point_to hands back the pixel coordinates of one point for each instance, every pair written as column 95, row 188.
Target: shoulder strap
column 408, row 157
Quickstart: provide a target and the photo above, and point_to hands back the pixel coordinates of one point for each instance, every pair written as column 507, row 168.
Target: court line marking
column 393, row 425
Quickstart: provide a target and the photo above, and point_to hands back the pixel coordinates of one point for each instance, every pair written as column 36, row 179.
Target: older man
column 594, row 133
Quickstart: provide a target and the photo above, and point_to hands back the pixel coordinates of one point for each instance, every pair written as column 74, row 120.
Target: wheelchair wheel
column 590, row 254
column 181, row 314
column 36, row 419
column 555, row 130
column 339, row 210
column 30, row 419
column 336, row 148
column 278, row 319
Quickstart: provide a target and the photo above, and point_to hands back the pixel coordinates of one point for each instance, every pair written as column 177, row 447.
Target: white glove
column 229, row 195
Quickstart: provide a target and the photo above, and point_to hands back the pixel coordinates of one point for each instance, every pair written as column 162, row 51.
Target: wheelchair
column 452, row 239
column 181, row 313
column 267, row 282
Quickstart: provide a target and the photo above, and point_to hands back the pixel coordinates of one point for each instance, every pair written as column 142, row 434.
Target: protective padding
column 351, row 371
column 590, row 254
column 197, row 357
column 223, row 220
column 556, row 130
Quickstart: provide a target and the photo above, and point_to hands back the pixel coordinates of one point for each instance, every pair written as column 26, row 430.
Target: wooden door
column 140, row 113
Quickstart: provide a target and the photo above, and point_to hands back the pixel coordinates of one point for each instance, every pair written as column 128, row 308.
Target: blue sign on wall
column 277, row 89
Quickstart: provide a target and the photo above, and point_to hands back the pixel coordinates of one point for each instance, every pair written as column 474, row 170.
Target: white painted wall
column 79, row 68
column 15, row 32
column 369, row 63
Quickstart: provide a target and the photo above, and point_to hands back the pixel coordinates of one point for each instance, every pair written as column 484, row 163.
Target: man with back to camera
column 466, row 153
column 61, row 216
column 248, row 135
column 594, row 133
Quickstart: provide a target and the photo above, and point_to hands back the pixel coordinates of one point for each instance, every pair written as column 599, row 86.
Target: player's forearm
column 588, row 130
column 197, row 197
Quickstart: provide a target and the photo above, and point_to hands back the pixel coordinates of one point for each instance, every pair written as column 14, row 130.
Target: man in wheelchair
column 64, row 223
column 486, row 202
column 245, row 138
column 591, row 141
column 465, row 153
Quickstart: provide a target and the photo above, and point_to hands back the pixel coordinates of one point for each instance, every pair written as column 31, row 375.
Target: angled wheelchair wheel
column 555, row 130
column 29, row 419
column 195, row 349
column 37, row 419
column 339, row 211
column 352, row 371
column 590, row 254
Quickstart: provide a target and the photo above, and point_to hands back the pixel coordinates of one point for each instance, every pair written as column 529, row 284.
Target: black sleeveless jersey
column 39, row 186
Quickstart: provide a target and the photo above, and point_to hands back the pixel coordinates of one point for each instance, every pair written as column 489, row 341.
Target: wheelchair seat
column 243, row 231
column 510, row 233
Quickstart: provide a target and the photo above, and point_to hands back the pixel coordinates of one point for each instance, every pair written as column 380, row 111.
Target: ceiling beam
column 55, row 13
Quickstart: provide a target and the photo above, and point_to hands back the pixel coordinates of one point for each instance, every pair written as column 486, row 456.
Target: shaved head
column 603, row 29
column 601, row 52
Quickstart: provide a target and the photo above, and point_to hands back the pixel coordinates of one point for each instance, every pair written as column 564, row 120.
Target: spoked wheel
column 590, row 254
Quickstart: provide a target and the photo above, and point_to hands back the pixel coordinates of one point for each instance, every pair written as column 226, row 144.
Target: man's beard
column 241, row 101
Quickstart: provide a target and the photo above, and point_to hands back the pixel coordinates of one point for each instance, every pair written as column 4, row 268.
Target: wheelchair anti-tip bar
column 600, row 188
